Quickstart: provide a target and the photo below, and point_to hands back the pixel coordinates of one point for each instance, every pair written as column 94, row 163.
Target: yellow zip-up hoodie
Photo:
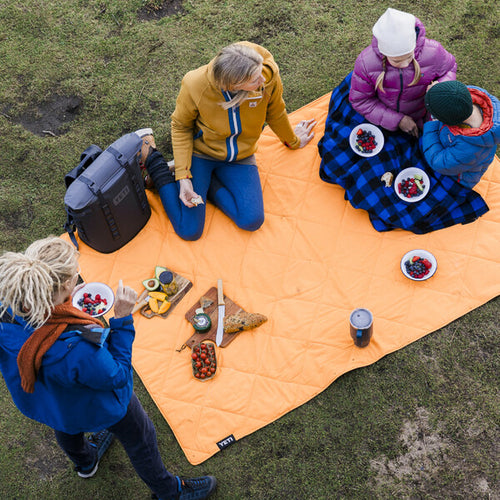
column 201, row 125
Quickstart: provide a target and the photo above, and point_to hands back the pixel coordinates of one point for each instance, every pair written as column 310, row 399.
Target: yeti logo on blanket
column 226, row 442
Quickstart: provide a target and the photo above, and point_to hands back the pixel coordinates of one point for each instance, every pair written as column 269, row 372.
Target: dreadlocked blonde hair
column 379, row 84
column 234, row 65
column 29, row 280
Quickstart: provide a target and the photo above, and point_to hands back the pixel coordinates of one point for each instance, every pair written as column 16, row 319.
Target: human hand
column 187, row 193
column 125, row 299
column 303, row 131
column 408, row 125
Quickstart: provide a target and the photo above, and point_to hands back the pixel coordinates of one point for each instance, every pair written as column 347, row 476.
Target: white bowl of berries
column 418, row 265
column 94, row 298
column 412, row 184
column 366, row 139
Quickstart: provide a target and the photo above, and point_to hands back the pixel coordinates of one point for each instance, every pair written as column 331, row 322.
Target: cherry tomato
column 198, row 364
column 194, row 356
column 204, row 369
column 203, row 355
column 197, row 375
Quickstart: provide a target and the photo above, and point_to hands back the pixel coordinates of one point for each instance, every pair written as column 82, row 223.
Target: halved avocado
column 151, row 284
column 159, row 270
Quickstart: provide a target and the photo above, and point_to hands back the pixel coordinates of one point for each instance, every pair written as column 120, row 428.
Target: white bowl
column 410, row 172
column 424, row 254
column 379, row 138
column 94, row 289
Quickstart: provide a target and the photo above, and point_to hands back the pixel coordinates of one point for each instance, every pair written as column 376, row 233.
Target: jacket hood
column 270, row 68
column 492, row 136
column 420, row 33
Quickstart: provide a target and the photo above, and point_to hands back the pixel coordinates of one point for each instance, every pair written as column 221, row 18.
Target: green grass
column 422, row 422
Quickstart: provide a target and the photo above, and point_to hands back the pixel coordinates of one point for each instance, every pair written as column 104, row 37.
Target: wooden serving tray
column 183, row 286
column 212, row 311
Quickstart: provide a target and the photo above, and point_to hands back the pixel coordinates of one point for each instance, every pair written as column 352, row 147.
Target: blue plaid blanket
column 446, row 204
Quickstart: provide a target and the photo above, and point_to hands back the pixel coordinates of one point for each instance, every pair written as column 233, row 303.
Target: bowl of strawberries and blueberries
column 366, row 139
column 95, row 299
column 412, row 184
column 418, row 265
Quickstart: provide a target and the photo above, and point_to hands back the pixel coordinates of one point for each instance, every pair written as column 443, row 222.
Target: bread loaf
column 242, row 321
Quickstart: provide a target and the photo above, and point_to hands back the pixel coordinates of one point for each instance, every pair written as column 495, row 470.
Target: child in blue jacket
column 462, row 139
column 64, row 369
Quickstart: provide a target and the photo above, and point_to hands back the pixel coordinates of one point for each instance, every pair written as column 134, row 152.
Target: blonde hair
column 234, row 65
column 29, row 280
column 379, row 84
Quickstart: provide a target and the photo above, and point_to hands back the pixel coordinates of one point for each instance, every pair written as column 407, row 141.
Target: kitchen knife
column 221, row 309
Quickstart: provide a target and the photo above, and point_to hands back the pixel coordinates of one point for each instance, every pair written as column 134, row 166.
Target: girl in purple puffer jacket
column 391, row 75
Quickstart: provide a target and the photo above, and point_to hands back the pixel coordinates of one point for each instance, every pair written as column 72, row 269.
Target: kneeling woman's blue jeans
column 233, row 187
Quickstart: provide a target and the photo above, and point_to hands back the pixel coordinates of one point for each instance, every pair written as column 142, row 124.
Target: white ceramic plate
column 379, row 138
column 410, row 172
column 424, row 254
column 94, row 289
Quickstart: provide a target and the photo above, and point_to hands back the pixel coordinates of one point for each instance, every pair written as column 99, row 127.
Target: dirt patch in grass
column 50, row 118
column 424, row 447
column 156, row 9
column 428, row 460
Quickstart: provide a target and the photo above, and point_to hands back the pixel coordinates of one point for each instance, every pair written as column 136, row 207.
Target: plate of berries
column 418, row 265
column 94, row 298
column 412, row 184
column 366, row 139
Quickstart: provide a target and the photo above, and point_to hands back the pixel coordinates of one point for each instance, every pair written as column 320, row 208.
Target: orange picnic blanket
column 313, row 261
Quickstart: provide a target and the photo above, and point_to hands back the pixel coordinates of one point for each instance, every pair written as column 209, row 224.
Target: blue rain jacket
column 85, row 381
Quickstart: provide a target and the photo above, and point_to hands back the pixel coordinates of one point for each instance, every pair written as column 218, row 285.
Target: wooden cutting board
column 183, row 286
column 211, row 310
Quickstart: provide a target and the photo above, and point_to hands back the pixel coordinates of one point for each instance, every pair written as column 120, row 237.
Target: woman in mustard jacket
column 221, row 110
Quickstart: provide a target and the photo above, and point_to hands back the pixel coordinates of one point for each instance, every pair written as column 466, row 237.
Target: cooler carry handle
column 86, row 158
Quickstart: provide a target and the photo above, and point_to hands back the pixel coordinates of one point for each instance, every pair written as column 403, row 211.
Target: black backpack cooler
column 105, row 197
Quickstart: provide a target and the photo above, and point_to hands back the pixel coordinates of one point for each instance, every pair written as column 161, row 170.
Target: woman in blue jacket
column 462, row 139
column 64, row 369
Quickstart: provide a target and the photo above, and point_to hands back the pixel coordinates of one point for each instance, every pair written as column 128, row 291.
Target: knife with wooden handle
column 221, row 309
column 142, row 300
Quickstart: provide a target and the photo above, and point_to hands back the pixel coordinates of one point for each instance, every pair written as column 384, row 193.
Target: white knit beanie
column 395, row 33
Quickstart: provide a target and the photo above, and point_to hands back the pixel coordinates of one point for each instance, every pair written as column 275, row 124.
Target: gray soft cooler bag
column 105, row 198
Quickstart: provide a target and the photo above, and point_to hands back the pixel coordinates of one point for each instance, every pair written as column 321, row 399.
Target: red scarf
column 484, row 102
column 40, row 341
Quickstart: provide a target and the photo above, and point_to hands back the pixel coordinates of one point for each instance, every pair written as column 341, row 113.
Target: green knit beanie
column 449, row 102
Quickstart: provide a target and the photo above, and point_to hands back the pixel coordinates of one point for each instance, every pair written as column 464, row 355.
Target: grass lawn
column 422, row 423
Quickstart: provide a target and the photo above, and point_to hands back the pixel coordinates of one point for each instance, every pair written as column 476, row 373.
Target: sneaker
column 100, row 440
column 196, row 488
column 148, row 144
